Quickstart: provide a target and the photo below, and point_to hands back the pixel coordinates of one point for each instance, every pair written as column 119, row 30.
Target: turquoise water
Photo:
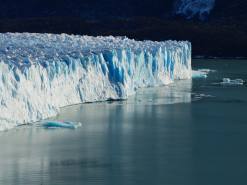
column 188, row 133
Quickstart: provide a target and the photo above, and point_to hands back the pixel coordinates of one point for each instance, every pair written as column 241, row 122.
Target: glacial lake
column 188, row 133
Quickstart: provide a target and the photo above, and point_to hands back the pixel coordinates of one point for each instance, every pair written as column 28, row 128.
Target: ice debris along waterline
column 40, row 73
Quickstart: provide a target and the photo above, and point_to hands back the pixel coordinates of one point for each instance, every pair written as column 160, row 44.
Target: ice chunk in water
column 201, row 73
column 228, row 81
column 60, row 124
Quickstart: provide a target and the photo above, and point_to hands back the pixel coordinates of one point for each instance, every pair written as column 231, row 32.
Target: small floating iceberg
column 60, row 124
column 228, row 81
column 201, row 73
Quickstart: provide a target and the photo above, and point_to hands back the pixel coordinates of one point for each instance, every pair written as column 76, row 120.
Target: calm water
column 190, row 133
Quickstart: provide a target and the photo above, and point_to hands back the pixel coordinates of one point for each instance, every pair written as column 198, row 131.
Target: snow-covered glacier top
column 25, row 48
column 39, row 73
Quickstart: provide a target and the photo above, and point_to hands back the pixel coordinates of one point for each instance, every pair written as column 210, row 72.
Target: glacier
column 40, row 73
column 194, row 8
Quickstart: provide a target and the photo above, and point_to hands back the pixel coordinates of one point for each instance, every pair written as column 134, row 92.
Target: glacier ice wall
column 40, row 73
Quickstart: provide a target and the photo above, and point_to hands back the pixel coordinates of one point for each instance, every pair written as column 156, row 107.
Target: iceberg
column 40, row 73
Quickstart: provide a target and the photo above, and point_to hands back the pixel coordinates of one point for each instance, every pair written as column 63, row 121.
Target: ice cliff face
column 39, row 73
column 193, row 8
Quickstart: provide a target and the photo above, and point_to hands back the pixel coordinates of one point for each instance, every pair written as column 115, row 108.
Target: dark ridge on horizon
column 222, row 34
column 98, row 9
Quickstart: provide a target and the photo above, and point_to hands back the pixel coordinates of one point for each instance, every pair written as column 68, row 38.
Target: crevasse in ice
column 40, row 73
